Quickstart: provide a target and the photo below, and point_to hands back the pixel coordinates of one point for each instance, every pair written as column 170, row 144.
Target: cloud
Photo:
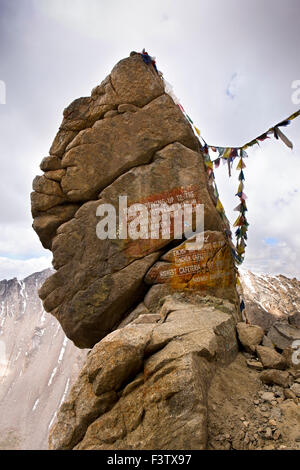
column 20, row 241
column 55, row 51
column 20, row 269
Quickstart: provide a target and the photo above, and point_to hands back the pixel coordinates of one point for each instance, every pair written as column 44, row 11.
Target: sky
column 232, row 64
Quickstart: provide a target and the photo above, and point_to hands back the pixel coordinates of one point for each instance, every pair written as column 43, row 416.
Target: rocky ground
column 246, row 414
column 254, row 403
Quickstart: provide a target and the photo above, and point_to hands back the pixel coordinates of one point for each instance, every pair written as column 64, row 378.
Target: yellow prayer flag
column 219, row 206
column 209, row 164
column 240, row 250
column 236, row 223
column 227, row 153
column 241, row 165
column 241, row 187
column 197, row 130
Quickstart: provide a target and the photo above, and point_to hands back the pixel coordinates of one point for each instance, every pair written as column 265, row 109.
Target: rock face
column 128, row 138
column 159, row 310
column 145, row 386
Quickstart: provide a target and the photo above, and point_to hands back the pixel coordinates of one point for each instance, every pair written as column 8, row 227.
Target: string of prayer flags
column 189, row 119
column 211, row 180
column 293, row 116
column 263, row 137
column 228, row 155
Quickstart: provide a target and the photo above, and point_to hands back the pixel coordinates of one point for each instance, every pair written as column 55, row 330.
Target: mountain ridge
column 37, row 364
column 278, row 296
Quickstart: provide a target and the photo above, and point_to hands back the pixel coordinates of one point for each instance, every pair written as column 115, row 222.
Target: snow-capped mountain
column 270, row 299
column 37, row 365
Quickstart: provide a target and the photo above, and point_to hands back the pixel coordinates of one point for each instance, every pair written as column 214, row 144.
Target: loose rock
column 250, row 336
column 270, row 358
column 275, row 376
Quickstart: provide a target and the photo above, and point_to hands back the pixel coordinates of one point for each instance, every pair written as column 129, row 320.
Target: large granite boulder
column 129, row 139
column 159, row 310
column 250, row 336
